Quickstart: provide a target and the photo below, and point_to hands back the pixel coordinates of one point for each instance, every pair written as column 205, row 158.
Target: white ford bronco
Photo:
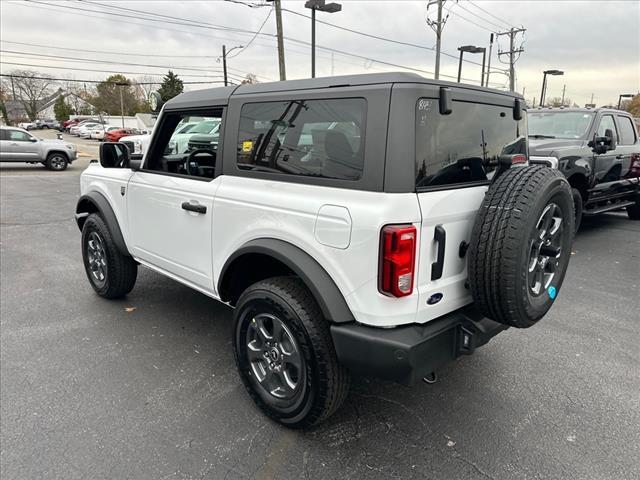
column 377, row 224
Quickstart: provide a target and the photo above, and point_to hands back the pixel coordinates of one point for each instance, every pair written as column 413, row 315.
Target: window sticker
column 247, row 146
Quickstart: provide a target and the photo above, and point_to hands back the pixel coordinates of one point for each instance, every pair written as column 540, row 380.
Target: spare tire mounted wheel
column 521, row 245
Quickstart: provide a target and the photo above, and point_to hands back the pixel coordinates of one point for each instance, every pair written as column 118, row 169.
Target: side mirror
column 114, row 155
column 33, row 139
column 611, row 139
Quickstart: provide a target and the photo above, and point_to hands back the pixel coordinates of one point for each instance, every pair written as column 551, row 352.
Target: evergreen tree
column 62, row 109
column 171, row 86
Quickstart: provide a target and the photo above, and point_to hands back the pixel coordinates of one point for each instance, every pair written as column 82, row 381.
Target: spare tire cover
column 521, row 245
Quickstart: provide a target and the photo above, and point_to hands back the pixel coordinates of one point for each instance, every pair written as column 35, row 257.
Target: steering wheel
column 191, row 166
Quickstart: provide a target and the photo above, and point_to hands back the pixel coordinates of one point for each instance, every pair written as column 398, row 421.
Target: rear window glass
column 318, row 138
column 627, row 132
column 456, row 149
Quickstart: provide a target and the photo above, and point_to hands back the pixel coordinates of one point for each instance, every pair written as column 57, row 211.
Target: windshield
column 571, row 125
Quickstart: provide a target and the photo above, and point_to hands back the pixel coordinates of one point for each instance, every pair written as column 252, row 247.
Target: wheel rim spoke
column 274, row 356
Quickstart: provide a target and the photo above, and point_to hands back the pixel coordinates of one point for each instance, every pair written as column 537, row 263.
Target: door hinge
column 123, row 190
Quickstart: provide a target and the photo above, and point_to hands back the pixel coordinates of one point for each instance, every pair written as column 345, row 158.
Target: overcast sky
column 596, row 43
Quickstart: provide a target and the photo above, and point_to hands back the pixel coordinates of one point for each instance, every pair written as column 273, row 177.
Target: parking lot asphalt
column 146, row 388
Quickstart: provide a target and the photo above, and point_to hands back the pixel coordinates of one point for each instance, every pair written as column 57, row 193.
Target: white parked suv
column 379, row 224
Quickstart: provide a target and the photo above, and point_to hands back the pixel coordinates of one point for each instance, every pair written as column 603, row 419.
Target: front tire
column 110, row 273
column 57, row 162
column 633, row 211
column 285, row 355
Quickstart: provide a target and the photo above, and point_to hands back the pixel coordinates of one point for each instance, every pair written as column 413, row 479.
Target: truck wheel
column 634, row 210
column 578, row 206
column 285, row 355
column 57, row 162
column 521, row 244
column 111, row 274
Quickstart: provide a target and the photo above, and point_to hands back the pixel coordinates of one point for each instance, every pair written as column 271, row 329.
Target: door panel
column 18, row 147
column 168, row 235
column 608, row 165
column 452, row 212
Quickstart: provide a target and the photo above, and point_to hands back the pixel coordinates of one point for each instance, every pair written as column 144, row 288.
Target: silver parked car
column 18, row 145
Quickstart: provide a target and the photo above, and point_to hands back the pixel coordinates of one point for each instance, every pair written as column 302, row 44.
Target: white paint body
column 339, row 228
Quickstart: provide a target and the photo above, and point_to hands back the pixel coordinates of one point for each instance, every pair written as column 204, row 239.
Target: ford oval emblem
column 435, row 298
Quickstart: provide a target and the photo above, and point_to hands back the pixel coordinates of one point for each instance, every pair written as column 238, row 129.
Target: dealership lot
column 146, row 387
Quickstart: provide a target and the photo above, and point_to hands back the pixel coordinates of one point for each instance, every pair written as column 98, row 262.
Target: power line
column 194, row 23
column 123, row 53
column 87, row 69
column 254, row 37
column 99, row 81
column 109, row 62
column 491, row 14
column 479, row 17
column 458, row 15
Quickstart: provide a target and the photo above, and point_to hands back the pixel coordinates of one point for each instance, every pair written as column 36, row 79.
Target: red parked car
column 116, row 135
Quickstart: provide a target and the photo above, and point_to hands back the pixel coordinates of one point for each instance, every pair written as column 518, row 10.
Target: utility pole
column 489, row 61
column 283, row 73
column 13, row 88
column 437, row 27
column 511, row 52
column 121, row 105
column 224, row 64
column 564, row 87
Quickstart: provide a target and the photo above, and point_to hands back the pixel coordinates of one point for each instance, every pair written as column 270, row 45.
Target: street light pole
column 224, row 61
column 328, row 8
column 472, row 49
column 544, row 83
column 624, row 95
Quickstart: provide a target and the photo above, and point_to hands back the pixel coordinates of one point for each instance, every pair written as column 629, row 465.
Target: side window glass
column 317, row 138
column 191, row 151
column 606, row 123
column 627, row 131
column 18, row 136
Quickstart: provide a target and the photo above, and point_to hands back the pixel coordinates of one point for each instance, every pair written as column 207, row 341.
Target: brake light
column 397, row 260
column 518, row 158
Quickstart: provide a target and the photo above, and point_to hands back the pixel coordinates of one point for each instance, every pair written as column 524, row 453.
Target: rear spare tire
column 521, row 244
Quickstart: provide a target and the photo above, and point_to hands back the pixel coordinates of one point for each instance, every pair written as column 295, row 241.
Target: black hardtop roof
column 220, row 95
column 577, row 109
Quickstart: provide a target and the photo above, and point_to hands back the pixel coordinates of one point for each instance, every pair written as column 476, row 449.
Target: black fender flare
column 331, row 301
column 96, row 202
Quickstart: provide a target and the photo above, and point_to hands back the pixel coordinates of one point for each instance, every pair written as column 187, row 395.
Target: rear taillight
column 397, row 260
column 518, row 158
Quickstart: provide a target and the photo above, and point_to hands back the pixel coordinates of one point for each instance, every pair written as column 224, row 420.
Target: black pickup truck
column 598, row 150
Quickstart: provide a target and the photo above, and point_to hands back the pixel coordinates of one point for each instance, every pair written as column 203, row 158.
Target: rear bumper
column 408, row 353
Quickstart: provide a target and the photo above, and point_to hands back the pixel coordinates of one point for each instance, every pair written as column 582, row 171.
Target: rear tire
column 633, row 211
column 110, row 273
column 521, row 245
column 285, row 355
column 578, row 207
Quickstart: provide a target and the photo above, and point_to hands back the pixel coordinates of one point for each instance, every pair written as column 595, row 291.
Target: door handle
column 194, row 207
column 619, row 157
column 440, row 236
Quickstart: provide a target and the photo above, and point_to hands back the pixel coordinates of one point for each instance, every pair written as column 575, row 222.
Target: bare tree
column 557, row 102
column 250, row 79
column 31, row 87
column 147, row 84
